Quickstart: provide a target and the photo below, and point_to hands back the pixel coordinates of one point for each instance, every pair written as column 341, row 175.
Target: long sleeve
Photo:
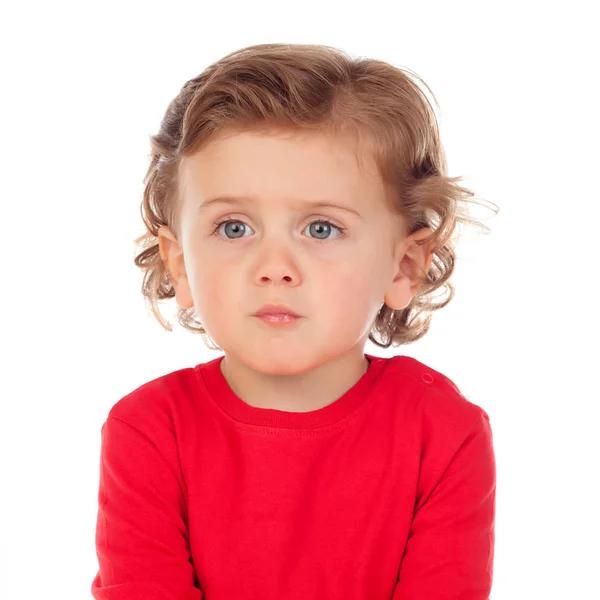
column 141, row 536
column 450, row 550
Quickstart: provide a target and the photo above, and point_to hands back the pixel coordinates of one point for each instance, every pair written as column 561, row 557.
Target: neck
column 309, row 390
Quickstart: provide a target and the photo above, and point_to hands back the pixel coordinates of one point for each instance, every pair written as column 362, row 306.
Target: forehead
column 296, row 165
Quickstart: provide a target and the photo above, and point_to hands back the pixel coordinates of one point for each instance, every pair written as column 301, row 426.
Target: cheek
column 349, row 291
column 210, row 287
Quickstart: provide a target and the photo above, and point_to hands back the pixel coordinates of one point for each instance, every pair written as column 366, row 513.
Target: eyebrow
column 228, row 199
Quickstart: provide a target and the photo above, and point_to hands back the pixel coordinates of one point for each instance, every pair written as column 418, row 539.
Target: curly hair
column 306, row 87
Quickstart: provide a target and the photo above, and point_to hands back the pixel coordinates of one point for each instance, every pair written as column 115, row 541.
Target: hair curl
column 315, row 88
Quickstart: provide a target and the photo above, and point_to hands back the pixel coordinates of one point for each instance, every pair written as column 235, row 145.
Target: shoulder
column 439, row 396
column 446, row 427
column 156, row 404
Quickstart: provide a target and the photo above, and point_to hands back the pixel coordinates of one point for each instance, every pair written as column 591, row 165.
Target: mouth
column 278, row 319
column 275, row 310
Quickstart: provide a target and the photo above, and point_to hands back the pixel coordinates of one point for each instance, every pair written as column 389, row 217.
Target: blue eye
column 323, row 222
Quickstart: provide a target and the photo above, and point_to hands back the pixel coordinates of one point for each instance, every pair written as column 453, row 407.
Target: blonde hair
column 318, row 88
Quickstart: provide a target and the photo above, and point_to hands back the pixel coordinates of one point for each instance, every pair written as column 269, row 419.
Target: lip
column 280, row 320
column 275, row 309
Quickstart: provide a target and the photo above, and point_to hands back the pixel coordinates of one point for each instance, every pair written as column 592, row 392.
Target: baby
column 297, row 204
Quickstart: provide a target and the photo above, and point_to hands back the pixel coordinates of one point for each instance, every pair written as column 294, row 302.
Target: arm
column 141, row 533
column 450, row 550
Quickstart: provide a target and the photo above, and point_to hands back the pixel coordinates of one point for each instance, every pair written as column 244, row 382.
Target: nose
column 277, row 264
column 277, row 271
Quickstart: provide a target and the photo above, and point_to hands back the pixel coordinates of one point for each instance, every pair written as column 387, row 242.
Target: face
column 333, row 266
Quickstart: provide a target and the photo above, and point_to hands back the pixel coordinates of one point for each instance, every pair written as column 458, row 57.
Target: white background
column 85, row 84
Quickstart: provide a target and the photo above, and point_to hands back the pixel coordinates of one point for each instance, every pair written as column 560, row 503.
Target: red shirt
column 388, row 493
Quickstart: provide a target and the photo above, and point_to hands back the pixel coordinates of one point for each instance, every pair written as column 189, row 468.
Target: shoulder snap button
column 426, row 377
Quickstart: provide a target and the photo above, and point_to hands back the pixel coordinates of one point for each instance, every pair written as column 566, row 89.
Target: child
column 297, row 204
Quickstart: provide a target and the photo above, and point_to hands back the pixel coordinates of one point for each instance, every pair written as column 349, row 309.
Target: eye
column 324, row 226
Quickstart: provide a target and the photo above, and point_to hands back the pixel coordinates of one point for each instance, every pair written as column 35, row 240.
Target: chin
column 278, row 364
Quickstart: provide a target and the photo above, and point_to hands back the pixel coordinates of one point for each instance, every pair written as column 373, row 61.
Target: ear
column 411, row 258
column 172, row 257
